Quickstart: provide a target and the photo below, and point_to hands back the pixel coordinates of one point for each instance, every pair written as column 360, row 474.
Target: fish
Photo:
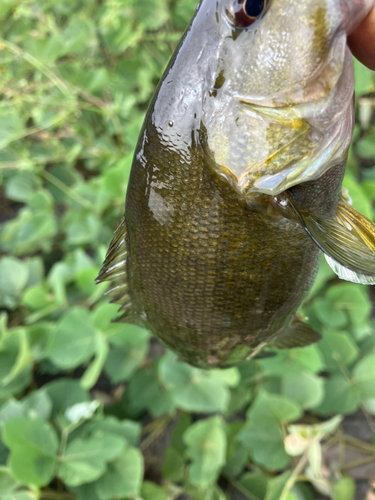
column 236, row 183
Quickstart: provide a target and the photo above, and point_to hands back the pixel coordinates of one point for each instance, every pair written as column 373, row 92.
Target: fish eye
column 245, row 12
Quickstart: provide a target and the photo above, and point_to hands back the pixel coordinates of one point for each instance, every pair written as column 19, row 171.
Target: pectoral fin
column 346, row 274
column 348, row 239
column 297, row 334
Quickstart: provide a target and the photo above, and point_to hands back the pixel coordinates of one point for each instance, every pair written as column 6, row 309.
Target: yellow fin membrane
column 348, row 239
column 365, row 229
column 297, row 334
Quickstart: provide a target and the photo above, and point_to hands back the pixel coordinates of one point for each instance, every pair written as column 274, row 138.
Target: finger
column 362, row 41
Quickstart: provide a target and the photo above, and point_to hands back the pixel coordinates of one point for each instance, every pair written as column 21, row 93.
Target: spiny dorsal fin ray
column 114, row 270
column 115, row 260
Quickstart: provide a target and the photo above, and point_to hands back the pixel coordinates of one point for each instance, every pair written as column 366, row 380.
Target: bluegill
column 236, row 183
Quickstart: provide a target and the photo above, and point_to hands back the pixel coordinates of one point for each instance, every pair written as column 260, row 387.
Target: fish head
column 280, row 109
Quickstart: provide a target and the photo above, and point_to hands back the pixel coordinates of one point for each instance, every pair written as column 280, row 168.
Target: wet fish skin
column 215, row 255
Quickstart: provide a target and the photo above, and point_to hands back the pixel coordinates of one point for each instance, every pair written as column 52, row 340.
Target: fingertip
column 362, row 41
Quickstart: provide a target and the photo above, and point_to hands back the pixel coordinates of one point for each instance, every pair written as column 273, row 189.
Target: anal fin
column 297, row 334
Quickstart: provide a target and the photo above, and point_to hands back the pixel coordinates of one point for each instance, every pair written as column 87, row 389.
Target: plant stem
column 296, row 472
column 357, row 463
column 66, row 189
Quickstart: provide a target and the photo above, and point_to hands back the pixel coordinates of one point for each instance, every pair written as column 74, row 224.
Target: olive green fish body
column 211, row 276
column 229, row 202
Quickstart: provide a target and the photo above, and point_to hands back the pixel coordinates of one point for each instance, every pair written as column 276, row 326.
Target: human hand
column 362, row 41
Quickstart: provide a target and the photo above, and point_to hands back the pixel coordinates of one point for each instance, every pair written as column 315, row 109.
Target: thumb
column 362, row 41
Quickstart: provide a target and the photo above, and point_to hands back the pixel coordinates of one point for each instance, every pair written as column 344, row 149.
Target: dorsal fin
column 115, row 260
column 114, row 270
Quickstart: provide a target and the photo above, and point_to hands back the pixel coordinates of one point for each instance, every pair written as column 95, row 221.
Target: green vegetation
column 75, row 80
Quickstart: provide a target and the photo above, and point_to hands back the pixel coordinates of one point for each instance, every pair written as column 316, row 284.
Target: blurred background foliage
column 92, row 410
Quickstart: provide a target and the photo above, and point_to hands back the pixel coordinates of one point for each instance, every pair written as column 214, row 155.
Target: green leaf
column 338, row 349
column 127, row 429
column 21, row 186
column 325, row 273
column 293, row 361
column 122, row 361
column 177, row 440
column 328, row 314
column 81, row 227
column 6, row 6
column 306, row 389
column 183, row 12
column 360, row 201
column 15, row 362
column 146, row 392
column 14, row 275
column 150, row 491
column 344, row 489
column 266, row 445
column 353, row 299
column 86, row 280
column 192, row 389
column 206, row 446
column 123, row 477
column 85, row 491
column 40, row 338
column 255, row 483
column 11, row 409
column 38, row 404
column 32, row 230
column 23, row 359
column 64, row 394
column 85, row 459
column 275, row 487
column 229, row 377
column 363, row 79
column 366, row 147
column 364, row 376
column 173, row 465
column 369, row 404
column 153, row 15
column 341, row 396
column 237, row 455
column 37, row 297
column 33, row 446
column 78, row 36
column 270, row 409
column 74, row 341
column 8, row 484
column 11, row 125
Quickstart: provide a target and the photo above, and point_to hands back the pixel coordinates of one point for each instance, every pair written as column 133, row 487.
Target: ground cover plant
column 94, row 410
